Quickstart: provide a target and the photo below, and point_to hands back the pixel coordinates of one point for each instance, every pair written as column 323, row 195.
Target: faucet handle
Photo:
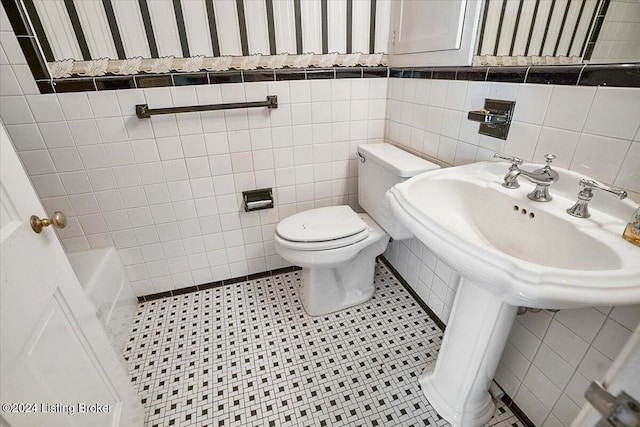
column 581, row 208
column 589, row 185
column 549, row 158
column 515, row 161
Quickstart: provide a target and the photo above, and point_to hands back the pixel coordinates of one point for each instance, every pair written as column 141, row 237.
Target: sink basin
column 534, row 253
column 510, row 252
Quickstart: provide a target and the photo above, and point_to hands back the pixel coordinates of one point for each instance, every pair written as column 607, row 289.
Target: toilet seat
column 322, row 229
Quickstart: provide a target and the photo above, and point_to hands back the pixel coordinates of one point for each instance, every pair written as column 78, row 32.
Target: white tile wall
column 169, row 189
column 550, row 358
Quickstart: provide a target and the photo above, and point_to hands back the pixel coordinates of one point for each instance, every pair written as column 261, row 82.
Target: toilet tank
column 383, row 167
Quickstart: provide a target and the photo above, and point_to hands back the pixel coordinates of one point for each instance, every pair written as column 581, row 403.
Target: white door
column 58, row 367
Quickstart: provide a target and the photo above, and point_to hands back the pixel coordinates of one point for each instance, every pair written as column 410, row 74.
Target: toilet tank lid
column 399, row 162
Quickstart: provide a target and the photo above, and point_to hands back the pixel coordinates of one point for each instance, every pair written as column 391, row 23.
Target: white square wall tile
column 8, row 82
column 48, row 185
column 553, row 366
column 569, row 106
column 145, row 150
column 93, row 156
column 560, row 142
column 584, row 322
column 14, row 110
column 101, row 179
column 104, row 104
column 594, row 365
column 66, row 159
column 128, row 99
column 76, row 182
column 112, row 129
column 84, row 204
column 531, row 406
column 599, row 157
column 565, row 343
column 300, row 91
column 611, row 338
column 522, row 141
column 84, row 132
column 119, row 154
column 627, row 315
column 455, row 98
column 531, row 103
column 542, row 387
column 56, row 134
column 75, row 106
column 629, row 174
column 25, row 137
column 614, row 112
column 45, row 108
column 170, row 148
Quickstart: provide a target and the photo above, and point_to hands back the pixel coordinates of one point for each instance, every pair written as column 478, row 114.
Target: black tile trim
column 439, row 323
column 519, row 413
column 74, row 85
column 321, row 73
column 113, row 83
column 290, row 74
column 349, row 73
column 153, row 80
column 45, row 86
column 507, row 74
column 566, row 75
column 627, row 75
column 190, row 79
column 225, row 77
column 259, row 76
column 616, row 75
column 219, row 283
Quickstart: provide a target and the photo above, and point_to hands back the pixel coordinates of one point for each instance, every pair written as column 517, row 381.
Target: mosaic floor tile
column 247, row 354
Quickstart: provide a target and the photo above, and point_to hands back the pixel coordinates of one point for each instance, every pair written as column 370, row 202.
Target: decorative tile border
column 617, row 75
column 141, row 81
column 622, row 75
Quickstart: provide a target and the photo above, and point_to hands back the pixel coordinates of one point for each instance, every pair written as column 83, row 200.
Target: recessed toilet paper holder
column 255, row 200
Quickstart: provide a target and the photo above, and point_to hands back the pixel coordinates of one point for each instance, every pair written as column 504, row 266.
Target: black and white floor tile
column 247, row 354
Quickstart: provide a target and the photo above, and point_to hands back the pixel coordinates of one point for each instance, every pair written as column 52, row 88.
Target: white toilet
column 337, row 247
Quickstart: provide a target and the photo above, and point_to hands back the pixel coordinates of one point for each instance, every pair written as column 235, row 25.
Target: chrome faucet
column 581, row 208
column 542, row 177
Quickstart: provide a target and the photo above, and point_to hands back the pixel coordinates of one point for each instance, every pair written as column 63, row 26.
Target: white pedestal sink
column 510, row 252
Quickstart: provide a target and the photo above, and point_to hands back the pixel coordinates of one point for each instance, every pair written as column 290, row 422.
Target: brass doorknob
column 58, row 220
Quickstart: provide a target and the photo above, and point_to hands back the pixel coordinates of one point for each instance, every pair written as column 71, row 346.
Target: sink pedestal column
column 457, row 387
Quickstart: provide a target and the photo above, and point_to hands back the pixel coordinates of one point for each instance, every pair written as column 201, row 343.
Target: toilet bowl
column 337, row 247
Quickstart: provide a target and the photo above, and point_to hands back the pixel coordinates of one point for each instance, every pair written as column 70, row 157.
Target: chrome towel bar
column 144, row 112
